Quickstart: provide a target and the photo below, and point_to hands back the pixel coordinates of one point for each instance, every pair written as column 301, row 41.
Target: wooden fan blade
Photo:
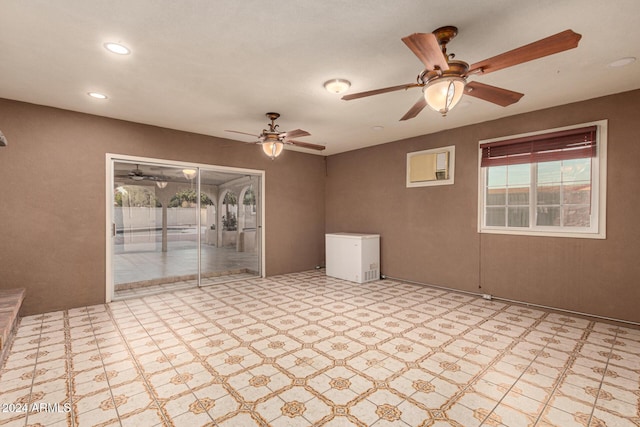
column 496, row 95
column 548, row 46
column 415, row 110
column 426, row 48
column 379, row 91
column 243, row 133
column 305, row 145
column 296, row 133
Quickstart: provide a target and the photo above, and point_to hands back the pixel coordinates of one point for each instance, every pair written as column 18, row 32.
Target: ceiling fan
column 444, row 80
column 138, row 175
column 272, row 140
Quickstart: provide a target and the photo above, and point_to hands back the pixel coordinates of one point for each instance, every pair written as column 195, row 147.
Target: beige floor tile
column 145, row 417
column 13, row 401
column 556, row 417
column 532, row 376
column 49, row 417
column 607, row 418
column 340, row 347
column 339, row 323
column 303, row 363
column 154, row 362
column 240, row 419
column 340, row 385
column 193, row 419
column 465, row 416
column 220, row 407
column 192, row 375
column 13, row 419
column 494, row 391
column 510, row 415
column 98, row 417
column 533, row 391
column 311, row 334
column 100, row 404
column 625, row 359
column 178, row 356
column 617, row 407
column 276, row 345
column 570, row 404
column 609, row 392
column 376, row 365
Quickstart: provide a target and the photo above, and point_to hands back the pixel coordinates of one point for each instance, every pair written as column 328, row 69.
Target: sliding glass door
column 174, row 225
column 230, row 237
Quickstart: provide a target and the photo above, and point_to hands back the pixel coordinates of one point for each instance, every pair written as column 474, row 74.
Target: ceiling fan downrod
column 273, row 126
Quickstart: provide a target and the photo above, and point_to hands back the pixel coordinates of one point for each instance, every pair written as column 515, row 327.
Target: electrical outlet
column 487, row 296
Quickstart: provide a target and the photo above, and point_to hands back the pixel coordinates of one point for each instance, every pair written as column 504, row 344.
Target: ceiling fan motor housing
column 271, row 136
column 456, row 69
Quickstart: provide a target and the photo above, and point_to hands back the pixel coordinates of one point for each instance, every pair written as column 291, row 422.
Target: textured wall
column 52, row 201
column 429, row 234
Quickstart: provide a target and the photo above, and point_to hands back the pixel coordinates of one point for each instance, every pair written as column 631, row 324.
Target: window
column 551, row 183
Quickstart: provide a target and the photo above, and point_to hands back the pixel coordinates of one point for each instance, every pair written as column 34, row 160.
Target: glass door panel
column 155, row 211
column 229, row 232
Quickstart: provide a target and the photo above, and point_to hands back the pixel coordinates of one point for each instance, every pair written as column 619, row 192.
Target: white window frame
column 598, row 192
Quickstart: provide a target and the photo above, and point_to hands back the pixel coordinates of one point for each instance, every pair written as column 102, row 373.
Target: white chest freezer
column 354, row 257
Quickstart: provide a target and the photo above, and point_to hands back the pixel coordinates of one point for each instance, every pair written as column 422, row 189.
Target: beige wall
column 429, row 234
column 52, row 201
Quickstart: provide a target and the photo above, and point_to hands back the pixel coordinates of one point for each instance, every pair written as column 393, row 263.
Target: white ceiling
column 209, row 65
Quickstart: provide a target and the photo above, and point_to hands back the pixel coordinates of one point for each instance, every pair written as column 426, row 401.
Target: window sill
column 545, row 233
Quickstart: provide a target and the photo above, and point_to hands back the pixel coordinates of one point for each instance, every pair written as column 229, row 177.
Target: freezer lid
column 353, row 235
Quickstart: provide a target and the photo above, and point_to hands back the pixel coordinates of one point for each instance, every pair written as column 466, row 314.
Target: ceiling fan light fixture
column 337, row 85
column 272, row 149
column 443, row 93
column 189, row 173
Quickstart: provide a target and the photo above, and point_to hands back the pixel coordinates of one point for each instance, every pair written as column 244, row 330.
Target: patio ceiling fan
column 138, row 175
column 444, row 80
column 273, row 140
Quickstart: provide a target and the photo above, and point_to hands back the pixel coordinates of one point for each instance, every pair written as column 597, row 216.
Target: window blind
column 562, row 145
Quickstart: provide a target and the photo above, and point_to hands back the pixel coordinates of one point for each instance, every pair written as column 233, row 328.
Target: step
column 10, row 303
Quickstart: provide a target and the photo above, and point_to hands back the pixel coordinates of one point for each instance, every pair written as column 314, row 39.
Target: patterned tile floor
column 305, row 349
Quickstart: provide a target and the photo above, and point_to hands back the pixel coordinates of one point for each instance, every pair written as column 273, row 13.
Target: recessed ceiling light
column 377, row 128
column 622, row 62
column 117, row 48
column 97, row 95
column 337, row 85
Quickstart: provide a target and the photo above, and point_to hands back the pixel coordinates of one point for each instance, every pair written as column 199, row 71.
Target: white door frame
column 110, row 158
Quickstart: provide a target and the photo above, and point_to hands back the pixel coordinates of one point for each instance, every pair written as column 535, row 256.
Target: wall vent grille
column 371, row 275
